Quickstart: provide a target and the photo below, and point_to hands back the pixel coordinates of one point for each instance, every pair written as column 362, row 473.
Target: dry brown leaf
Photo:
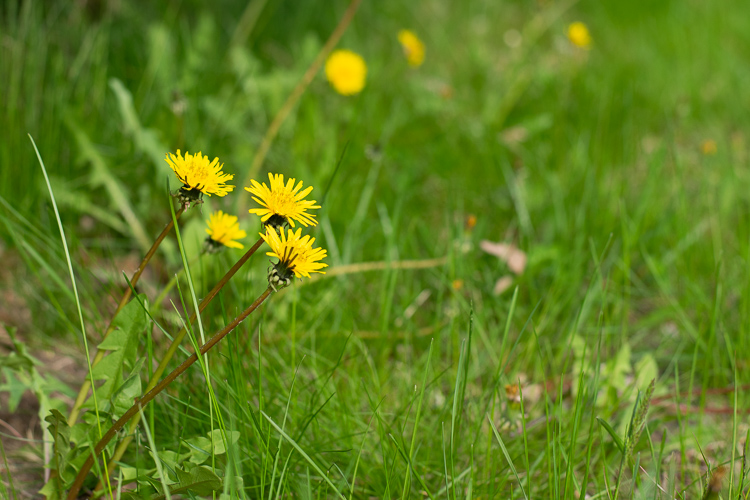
column 508, row 253
column 502, row 284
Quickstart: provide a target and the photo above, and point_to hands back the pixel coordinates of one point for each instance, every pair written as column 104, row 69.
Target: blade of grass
column 8, row 473
column 77, row 299
column 359, row 455
column 304, row 454
column 157, row 460
column 507, row 456
column 283, row 425
column 403, row 454
column 405, row 491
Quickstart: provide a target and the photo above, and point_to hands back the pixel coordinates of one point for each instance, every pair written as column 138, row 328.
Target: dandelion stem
column 123, row 445
column 150, row 395
column 83, row 393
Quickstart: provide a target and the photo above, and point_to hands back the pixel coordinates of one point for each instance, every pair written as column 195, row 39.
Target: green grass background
column 589, row 161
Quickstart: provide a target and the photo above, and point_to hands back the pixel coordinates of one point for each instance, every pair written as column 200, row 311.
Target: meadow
column 537, row 240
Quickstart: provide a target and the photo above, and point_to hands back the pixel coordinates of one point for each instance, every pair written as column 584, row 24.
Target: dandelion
column 578, row 34
column 346, row 72
column 199, row 176
column 413, row 47
column 709, row 147
column 296, row 255
column 282, row 203
column 223, row 231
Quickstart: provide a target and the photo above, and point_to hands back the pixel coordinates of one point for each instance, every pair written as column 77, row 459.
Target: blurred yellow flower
column 223, row 229
column 296, row 255
column 413, row 47
column 283, row 203
column 199, row 176
column 346, row 72
column 578, row 34
column 709, row 147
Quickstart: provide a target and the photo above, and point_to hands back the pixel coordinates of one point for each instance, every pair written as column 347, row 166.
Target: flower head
column 346, row 72
column 283, row 203
column 578, row 34
column 413, row 47
column 223, row 229
column 199, row 176
column 296, row 255
column 709, row 147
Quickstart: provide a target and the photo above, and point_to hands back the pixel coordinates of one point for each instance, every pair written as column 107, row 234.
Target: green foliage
column 203, row 448
column 122, row 344
column 194, row 479
column 60, row 432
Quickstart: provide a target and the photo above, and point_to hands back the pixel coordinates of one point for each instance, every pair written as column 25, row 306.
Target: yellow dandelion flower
column 413, row 47
column 346, row 72
column 709, row 147
column 578, row 34
column 199, row 176
column 296, row 255
column 223, row 229
column 283, row 203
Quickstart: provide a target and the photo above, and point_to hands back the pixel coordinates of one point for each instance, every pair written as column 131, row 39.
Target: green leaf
column 19, row 359
column 170, row 459
column 646, row 370
column 122, row 343
column 611, row 431
column 15, row 387
column 215, row 437
column 125, row 395
column 145, row 140
column 200, row 481
column 51, row 489
column 60, row 432
column 199, row 447
column 143, row 493
column 618, row 368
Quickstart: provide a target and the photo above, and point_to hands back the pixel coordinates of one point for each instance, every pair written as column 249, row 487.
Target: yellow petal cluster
column 709, row 147
column 346, row 71
column 413, row 47
column 578, row 34
column 295, row 252
column 225, row 230
column 283, row 200
column 196, row 172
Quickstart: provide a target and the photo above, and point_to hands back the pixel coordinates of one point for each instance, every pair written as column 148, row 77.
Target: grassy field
column 426, row 363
